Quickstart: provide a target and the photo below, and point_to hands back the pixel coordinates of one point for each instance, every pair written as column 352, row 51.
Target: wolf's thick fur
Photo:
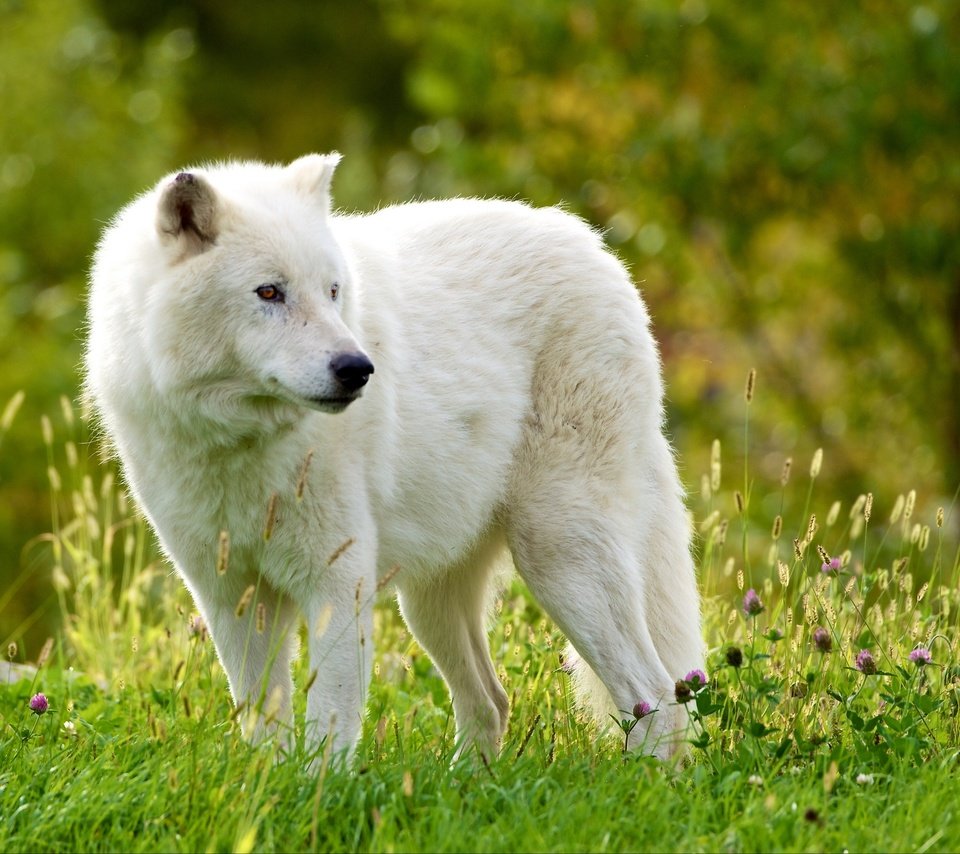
column 516, row 401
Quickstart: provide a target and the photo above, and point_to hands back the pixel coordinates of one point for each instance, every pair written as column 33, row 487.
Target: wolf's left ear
column 313, row 173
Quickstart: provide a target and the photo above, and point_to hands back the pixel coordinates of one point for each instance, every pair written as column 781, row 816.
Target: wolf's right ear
column 312, row 175
column 188, row 212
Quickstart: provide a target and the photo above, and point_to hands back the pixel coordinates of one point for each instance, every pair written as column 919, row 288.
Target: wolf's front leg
column 339, row 631
column 252, row 628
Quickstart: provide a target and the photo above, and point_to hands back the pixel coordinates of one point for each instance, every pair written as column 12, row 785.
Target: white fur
column 516, row 401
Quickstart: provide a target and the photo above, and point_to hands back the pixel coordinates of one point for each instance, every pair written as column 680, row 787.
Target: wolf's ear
column 313, row 173
column 188, row 211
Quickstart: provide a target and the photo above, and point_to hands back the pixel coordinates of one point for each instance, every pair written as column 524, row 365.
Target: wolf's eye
column 334, row 290
column 270, row 293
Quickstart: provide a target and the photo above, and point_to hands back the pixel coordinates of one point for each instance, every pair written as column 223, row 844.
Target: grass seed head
column 45, row 651
column 388, row 577
column 245, row 600
column 783, row 571
column 271, row 517
column 339, row 550
column 46, row 428
column 909, row 504
column 785, row 471
column 302, row 480
column 833, row 514
column 857, row 507
column 751, row 382
column 705, row 491
column 10, row 410
column 816, row 463
column 715, row 466
column 223, row 553
column 897, row 509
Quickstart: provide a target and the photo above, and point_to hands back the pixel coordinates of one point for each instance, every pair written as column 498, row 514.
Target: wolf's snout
column 352, row 370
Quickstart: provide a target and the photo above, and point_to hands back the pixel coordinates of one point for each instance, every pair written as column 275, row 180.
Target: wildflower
column 822, row 640
column 735, row 656
column 196, row 627
column 695, row 679
column 39, row 704
column 752, row 604
column 641, row 710
column 682, row 692
column 755, row 780
column 833, row 565
column 865, row 779
column 920, row 656
column 865, row 662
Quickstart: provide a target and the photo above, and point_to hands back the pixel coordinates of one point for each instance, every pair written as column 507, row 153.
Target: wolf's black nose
column 352, row 370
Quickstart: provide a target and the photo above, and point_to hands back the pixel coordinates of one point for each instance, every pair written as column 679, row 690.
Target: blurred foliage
column 88, row 120
column 783, row 183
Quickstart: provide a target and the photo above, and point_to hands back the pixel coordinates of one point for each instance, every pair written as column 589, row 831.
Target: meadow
column 828, row 721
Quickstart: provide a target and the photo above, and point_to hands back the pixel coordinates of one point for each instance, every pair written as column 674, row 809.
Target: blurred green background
column 782, row 180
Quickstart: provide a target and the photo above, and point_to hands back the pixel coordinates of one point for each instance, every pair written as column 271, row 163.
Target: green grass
column 794, row 749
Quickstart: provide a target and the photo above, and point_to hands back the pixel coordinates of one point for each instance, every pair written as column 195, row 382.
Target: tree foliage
column 88, row 120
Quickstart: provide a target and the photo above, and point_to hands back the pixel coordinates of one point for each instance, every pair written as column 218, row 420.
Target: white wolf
column 309, row 406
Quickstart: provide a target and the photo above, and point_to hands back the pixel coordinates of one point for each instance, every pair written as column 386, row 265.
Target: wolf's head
column 230, row 285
